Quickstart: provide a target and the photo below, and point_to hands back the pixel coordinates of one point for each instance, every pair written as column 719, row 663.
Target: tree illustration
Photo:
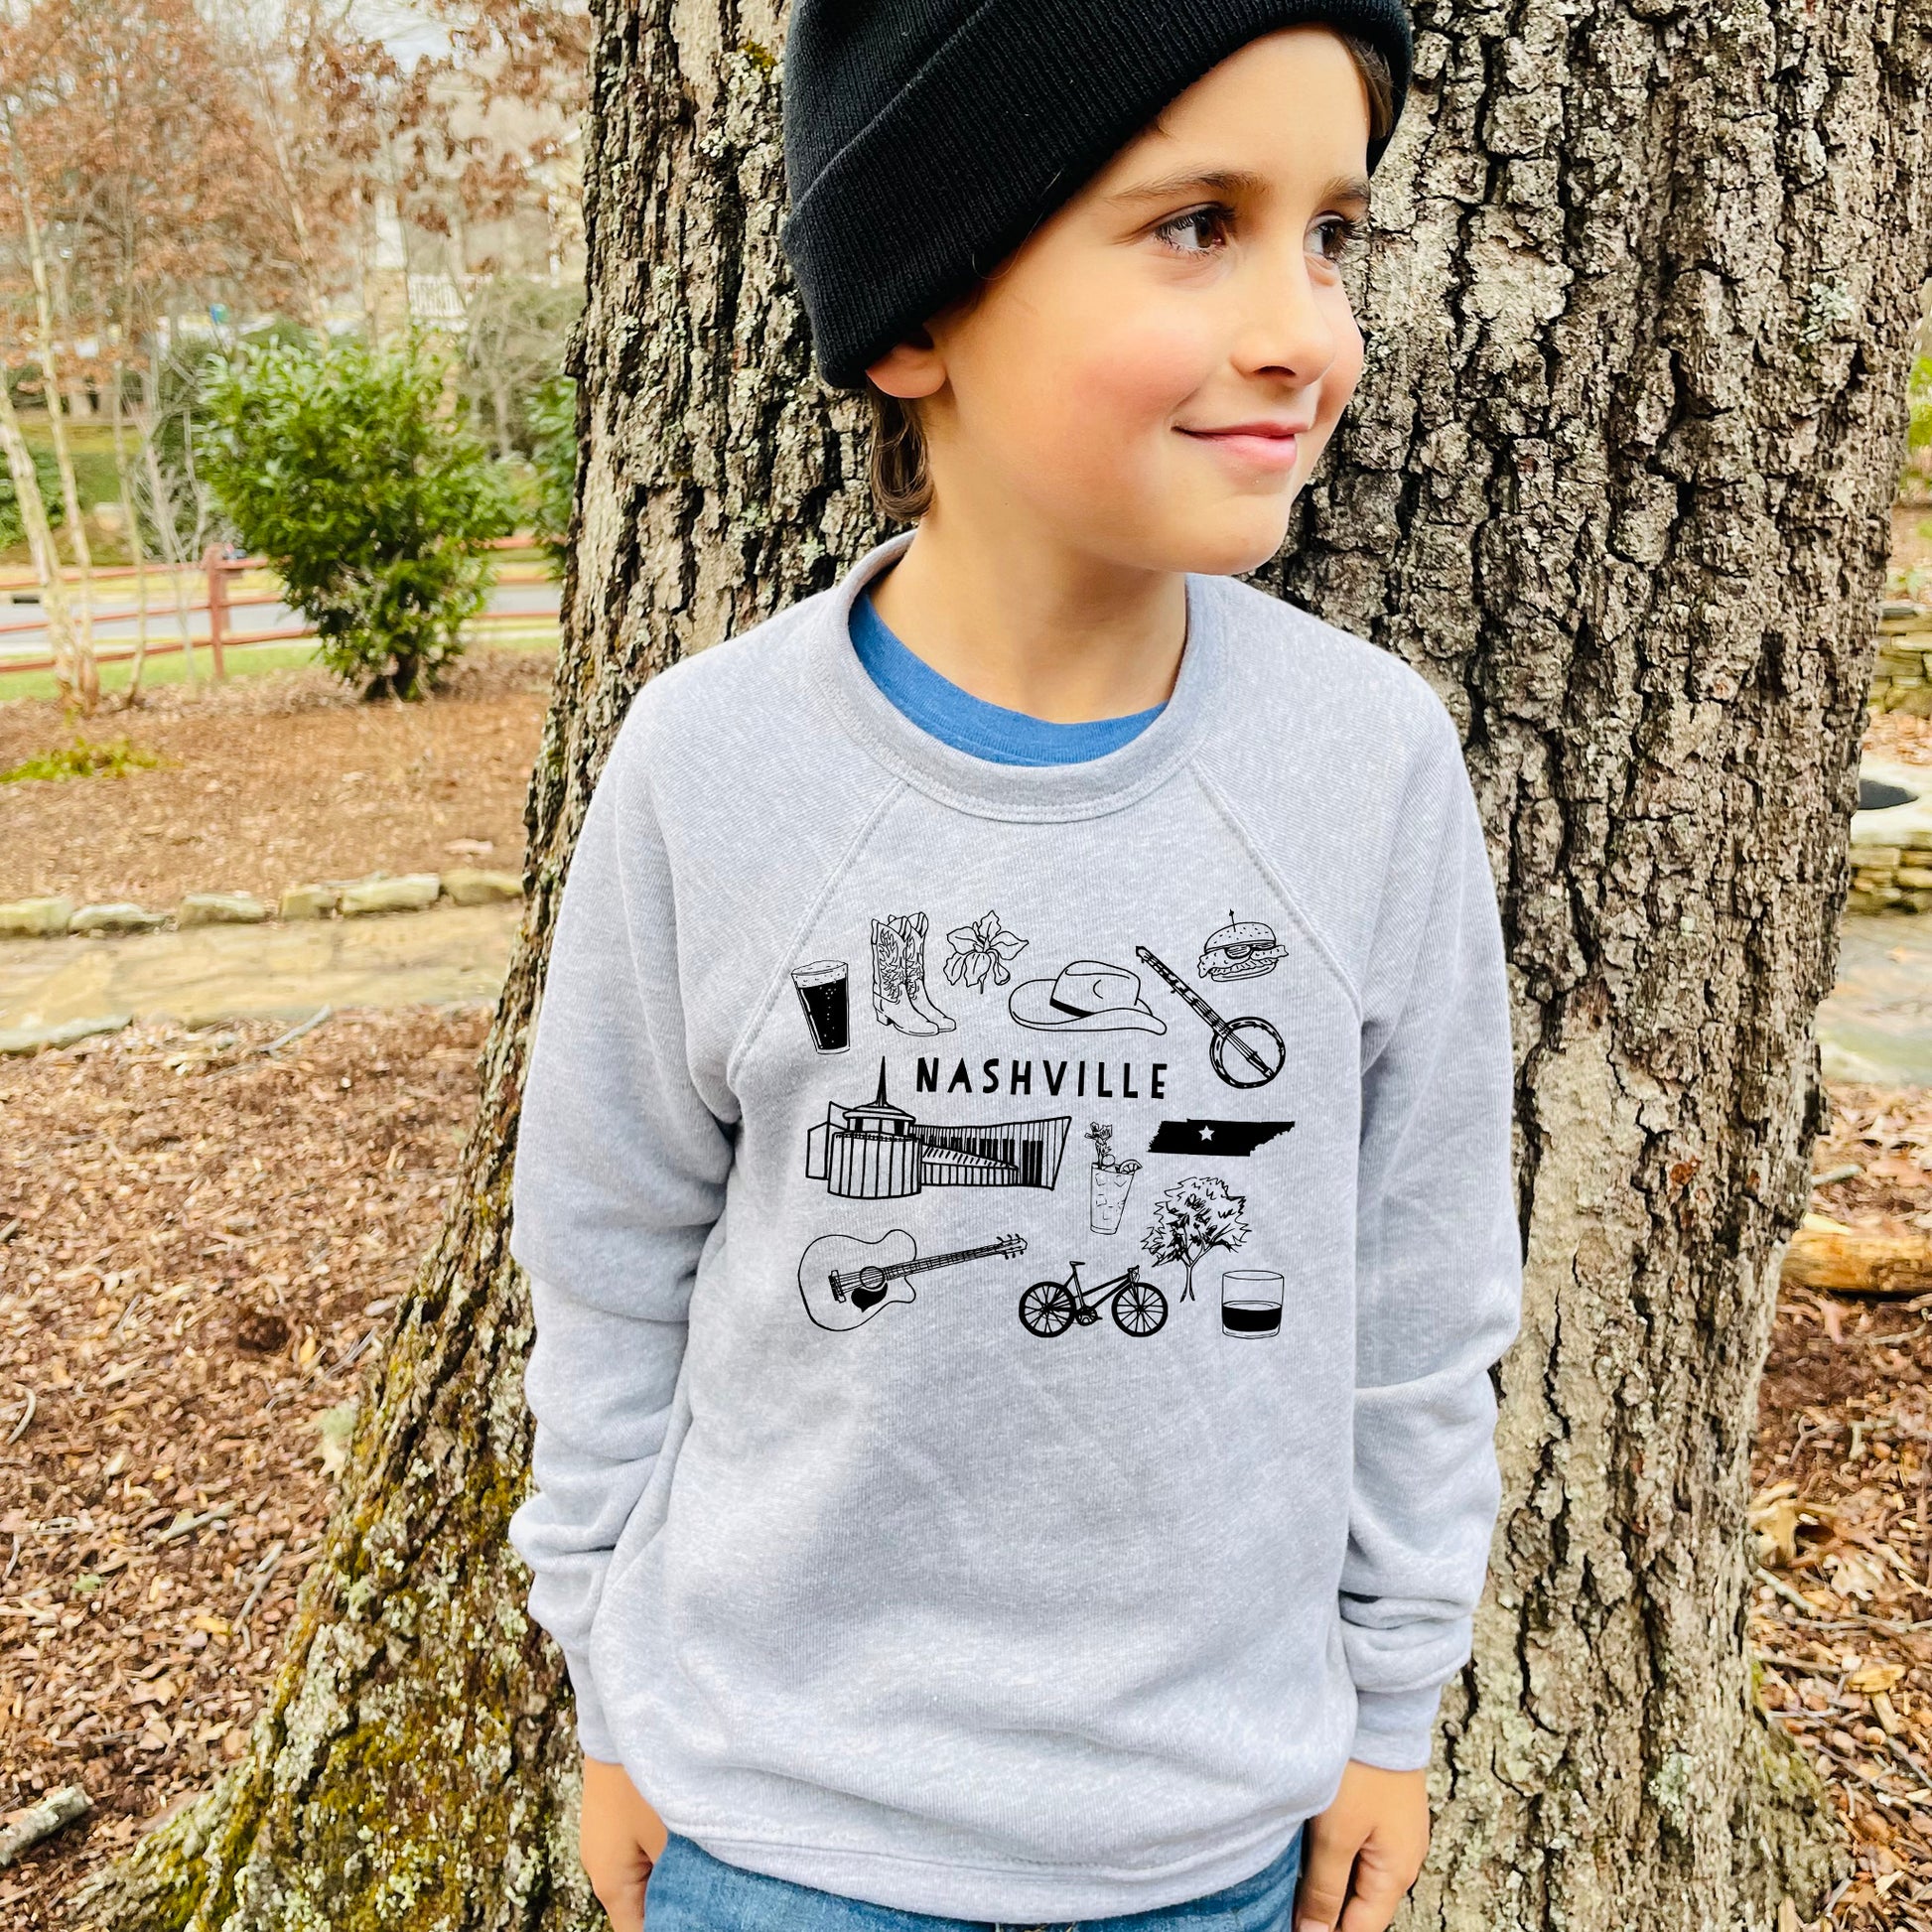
column 1189, row 1218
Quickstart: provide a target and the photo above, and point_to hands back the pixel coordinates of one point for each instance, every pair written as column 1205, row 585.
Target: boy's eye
column 1340, row 231
column 1197, row 231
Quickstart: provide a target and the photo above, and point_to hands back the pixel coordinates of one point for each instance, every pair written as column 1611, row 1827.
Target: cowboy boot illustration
column 891, row 1002
column 913, row 952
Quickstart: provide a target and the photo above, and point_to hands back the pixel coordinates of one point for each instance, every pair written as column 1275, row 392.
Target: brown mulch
column 201, row 1247
column 275, row 780
column 1841, row 1620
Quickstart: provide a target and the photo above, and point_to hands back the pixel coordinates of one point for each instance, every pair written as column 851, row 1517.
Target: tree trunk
column 137, row 548
column 67, row 678
column 160, row 499
column 1617, row 482
column 88, row 678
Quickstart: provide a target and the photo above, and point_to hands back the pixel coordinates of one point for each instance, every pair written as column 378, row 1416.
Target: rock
column 31, row 1039
column 1896, row 607
column 35, row 918
column 310, row 901
column 220, row 909
column 117, row 917
column 481, row 888
column 1857, row 902
column 1877, row 858
column 1914, row 878
column 410, row 893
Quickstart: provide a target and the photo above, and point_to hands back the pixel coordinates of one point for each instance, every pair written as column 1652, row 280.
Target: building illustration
column 875, row 1151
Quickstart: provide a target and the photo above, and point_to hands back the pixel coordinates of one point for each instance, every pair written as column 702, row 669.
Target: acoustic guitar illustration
column 846, row 1281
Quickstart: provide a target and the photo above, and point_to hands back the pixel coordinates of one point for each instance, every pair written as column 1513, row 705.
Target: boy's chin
column 1234, row 538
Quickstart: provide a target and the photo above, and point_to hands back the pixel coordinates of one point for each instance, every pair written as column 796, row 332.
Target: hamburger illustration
column 1243, row 949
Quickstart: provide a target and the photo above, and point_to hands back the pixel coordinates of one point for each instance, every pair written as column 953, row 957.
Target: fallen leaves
column 199, row 1270
column 1841, row 1623
column 255, row 798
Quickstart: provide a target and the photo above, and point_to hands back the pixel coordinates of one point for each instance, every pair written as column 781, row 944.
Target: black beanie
column 925, row 139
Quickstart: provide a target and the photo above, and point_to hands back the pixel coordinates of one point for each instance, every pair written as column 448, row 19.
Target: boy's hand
column 618, row 1838
column 1378, row 1826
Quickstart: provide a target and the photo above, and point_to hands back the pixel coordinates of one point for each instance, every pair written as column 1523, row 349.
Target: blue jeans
column 690, row 1892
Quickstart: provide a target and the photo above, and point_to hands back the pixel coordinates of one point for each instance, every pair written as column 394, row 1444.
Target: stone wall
column 1901, row 678
column 1891, row 844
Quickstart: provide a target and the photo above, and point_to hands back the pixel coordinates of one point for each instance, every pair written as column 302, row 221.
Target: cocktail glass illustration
column 821, row 985
column 1110, row 1186
column 1251, row 1303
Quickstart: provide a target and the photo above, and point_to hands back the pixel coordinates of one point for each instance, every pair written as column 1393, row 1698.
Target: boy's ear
column 910, row 369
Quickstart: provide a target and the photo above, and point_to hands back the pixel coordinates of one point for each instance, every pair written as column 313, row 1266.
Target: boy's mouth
column 1261, row 445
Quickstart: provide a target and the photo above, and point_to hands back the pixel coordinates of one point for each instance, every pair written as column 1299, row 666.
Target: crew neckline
column 986, row 786
column 957, row 717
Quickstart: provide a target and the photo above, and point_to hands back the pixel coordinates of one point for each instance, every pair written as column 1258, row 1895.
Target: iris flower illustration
column 981, row 948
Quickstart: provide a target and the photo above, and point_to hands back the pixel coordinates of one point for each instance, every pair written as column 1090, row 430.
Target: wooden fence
column 213, row 599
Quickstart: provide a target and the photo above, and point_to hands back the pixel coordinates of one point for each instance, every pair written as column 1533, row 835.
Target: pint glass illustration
column 821, row 988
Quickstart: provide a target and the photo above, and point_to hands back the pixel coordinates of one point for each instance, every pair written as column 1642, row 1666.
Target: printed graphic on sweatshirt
column 980, row 952
column 1086, row 996
column 898, row 992
column 1049, row 1309
column 1251, row 1303
column 821, row 989
column 1245, row 1053
column 1243, row 949
column 1076, row 1079
column 1192, row 1218
column 1111, row 1183
column 875, row 1151
column 1236, row 1138
column 846, row 1281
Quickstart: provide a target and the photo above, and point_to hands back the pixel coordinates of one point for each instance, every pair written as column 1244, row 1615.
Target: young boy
column 944, row 1525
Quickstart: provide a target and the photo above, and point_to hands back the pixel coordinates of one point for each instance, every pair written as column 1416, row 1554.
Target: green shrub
column 12, row 530
column 345, row 467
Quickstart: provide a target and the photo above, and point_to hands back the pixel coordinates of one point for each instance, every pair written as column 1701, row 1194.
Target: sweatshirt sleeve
column 1438, row 1269
column 621, row 1169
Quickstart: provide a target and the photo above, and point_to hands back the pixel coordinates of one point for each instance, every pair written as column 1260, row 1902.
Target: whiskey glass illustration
column 821, row 985
column 1251, row 1303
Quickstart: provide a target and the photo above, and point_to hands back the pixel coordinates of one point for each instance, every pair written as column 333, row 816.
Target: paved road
column 1877, row 1024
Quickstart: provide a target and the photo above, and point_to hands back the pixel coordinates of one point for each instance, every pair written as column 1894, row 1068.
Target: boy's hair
column 902, row 483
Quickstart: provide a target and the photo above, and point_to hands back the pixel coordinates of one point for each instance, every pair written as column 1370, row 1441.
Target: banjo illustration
column 846, row 1281
column 1245, row 1053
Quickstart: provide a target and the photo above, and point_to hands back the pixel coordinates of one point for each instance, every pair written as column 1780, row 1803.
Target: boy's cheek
column 1114, row 399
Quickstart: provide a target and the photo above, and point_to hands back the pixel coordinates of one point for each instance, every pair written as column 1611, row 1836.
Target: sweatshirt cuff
column 591, row 1732
column 1395, row 1731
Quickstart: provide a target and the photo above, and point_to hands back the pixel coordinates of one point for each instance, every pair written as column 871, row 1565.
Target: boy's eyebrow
column 1235, row 180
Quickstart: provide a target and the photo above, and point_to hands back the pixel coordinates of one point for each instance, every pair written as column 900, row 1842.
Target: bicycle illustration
column 1051, row 1308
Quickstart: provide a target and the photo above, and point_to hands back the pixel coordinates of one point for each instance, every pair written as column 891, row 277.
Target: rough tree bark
column 1617, row 482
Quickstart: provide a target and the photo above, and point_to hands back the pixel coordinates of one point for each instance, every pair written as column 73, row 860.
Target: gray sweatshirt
column 1017, row 1256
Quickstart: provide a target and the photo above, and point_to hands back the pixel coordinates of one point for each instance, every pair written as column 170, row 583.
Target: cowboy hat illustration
column 1087, row 996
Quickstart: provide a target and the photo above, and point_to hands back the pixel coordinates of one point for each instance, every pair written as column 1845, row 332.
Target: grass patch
column 248, row 660
column 111, row 759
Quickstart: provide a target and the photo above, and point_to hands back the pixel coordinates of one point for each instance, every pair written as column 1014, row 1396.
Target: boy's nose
column 1285, row 328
